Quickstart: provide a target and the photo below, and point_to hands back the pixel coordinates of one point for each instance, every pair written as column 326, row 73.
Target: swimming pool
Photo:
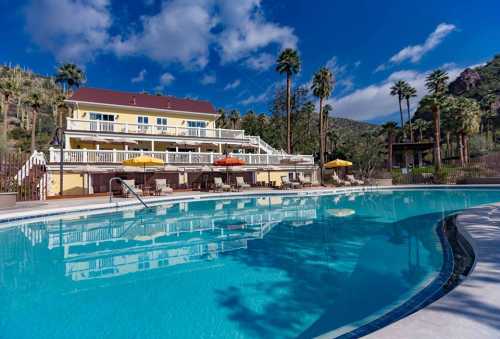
column 246, row 267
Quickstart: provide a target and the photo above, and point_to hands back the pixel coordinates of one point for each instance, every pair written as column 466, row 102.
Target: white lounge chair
column 304, row 181
column 241, row 184
column 286, row 183
column 353, row 180
column 338, row 181
column 220, row 186
column 161, row 187
column 126, row 184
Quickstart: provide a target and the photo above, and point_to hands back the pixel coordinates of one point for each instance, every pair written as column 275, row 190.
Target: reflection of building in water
column 94, row 247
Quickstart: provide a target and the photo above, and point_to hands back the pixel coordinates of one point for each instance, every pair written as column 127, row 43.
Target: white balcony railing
column 117, row 127
column 85, row 156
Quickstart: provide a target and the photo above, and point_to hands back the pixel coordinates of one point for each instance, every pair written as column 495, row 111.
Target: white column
column 220, row 148
column 152, row 145
column 85, row 155
column 114, row 156
column 126, row 147
column 97, row 146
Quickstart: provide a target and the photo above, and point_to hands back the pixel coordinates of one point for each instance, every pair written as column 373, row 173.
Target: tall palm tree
column 34, row 100
column 397, row 90
column 221, row 121
column 408, row 93
column 326, row 111
column 234, row 117
column 288, row 62
column 421, row 126
column 322, row 87
column 489, row 114
column 70, row 76
column 389, row 128
column 9, row 88
column 436, row 84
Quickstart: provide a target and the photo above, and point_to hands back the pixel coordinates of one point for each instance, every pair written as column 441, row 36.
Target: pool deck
column 472, row 309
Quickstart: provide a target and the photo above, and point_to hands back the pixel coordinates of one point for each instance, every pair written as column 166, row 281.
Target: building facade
column 107, row 127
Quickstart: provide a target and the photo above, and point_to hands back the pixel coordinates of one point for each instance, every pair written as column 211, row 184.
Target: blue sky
column 224, row 50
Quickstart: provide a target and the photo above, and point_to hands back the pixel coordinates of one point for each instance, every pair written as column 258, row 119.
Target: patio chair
column 353, row 180
column 286, row 183
column 241, row 184
column 220, row 186
column 131, row 184
column 161, row 187
column 338, row 181
column 304, row 181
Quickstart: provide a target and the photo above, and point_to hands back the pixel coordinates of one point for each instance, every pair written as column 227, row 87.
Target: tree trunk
column 436, row 115
column 448, row 144
column 321, row 140
column 33, row 130
column 409, row 120
column 389, row 155
column 288, row 112
column 402, row 120
column 466, row 148
column 421, row 134
column 5, row 108
column 461, row 149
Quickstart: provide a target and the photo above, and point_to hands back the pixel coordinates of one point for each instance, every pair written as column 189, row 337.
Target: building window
column 102, row 117
column 193, row 128
column 200, row 124
column 143, row 120
column 161, row 121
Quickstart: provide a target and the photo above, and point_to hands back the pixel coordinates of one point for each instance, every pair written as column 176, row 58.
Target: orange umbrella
column 229, row 162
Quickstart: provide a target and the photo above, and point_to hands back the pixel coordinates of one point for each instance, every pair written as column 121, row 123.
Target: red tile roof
column 104, row 96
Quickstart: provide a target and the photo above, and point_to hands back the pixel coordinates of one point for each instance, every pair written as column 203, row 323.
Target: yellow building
column 107, row 127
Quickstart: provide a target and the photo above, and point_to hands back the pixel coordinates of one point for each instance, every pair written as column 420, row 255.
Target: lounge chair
column 131, row 184
column 304, row 181
column 338, row 181
column 353, row 180
column 220, row 186
column 241, row 184
column 286, row 183
column 161, row 187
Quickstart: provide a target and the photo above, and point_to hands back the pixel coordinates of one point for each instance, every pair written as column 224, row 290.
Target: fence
column 486, row 166
column 25, row 174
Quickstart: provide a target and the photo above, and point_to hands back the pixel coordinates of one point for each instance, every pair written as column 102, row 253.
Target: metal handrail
column 128, row 187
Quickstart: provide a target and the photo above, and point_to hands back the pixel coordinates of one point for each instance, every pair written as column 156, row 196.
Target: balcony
column 165, row 130
column 83, row 156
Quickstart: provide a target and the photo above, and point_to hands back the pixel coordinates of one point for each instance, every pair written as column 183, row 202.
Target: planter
column 381, row 182
column 7, row 199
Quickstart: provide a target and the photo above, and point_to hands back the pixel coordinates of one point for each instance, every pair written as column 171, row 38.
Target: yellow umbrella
column 338, row 163
column 143, row 161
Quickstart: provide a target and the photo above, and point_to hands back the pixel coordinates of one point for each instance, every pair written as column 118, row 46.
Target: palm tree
column 34, row 100
column 322, row 87
column 408, row 93
column 398, row 89
column 390, row 129
column 234, row 117
column 326, row 111
column 421, row 126
column 221, row 121
column 70, row 76
column 489, row 114
column 288, row 62
column 9, row 88
column 436, row 83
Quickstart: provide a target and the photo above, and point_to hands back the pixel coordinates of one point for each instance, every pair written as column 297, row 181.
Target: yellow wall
column 273, row 175
column 125, row 115
column 73, row 184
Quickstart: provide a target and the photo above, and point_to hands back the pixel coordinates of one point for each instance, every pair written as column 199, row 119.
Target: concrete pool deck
column 472, row 309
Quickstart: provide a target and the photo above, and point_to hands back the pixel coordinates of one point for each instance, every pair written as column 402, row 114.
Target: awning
column 107, row 140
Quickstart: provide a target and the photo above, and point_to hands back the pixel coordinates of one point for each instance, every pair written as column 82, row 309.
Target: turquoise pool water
column 253, row 267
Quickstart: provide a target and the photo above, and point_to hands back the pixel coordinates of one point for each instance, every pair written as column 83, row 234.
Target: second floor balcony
column 151, row 129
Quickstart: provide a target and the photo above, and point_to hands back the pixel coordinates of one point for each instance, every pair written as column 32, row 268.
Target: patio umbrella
column 229, row 162
column 338, row 163
column 143, row 161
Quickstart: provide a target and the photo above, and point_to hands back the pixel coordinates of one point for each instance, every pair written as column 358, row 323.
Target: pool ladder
column 129, row 189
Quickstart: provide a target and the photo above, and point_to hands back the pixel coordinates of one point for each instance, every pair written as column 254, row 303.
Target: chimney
column 133, row 100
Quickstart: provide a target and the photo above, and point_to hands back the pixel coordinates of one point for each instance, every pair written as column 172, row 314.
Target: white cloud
column 344, row 81
column 73, row 30
column 260, row 62
column 166, row 79
column 232, row 85
column 245, row 30
column 416, row 52
column 208, row 79
column 139, row 77
column 375, row 101
column 180, row 32
column 263, row 97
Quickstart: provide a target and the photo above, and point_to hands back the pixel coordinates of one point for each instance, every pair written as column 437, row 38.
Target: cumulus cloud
column 166, row 79
column 260, row 62
column 344, row 80
column 375, row 101
column 265, row 96
column 180, row 32
column 53, row 26
column 416, row 52
column 139, row 77
column 232, row 85
column 208, row 79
